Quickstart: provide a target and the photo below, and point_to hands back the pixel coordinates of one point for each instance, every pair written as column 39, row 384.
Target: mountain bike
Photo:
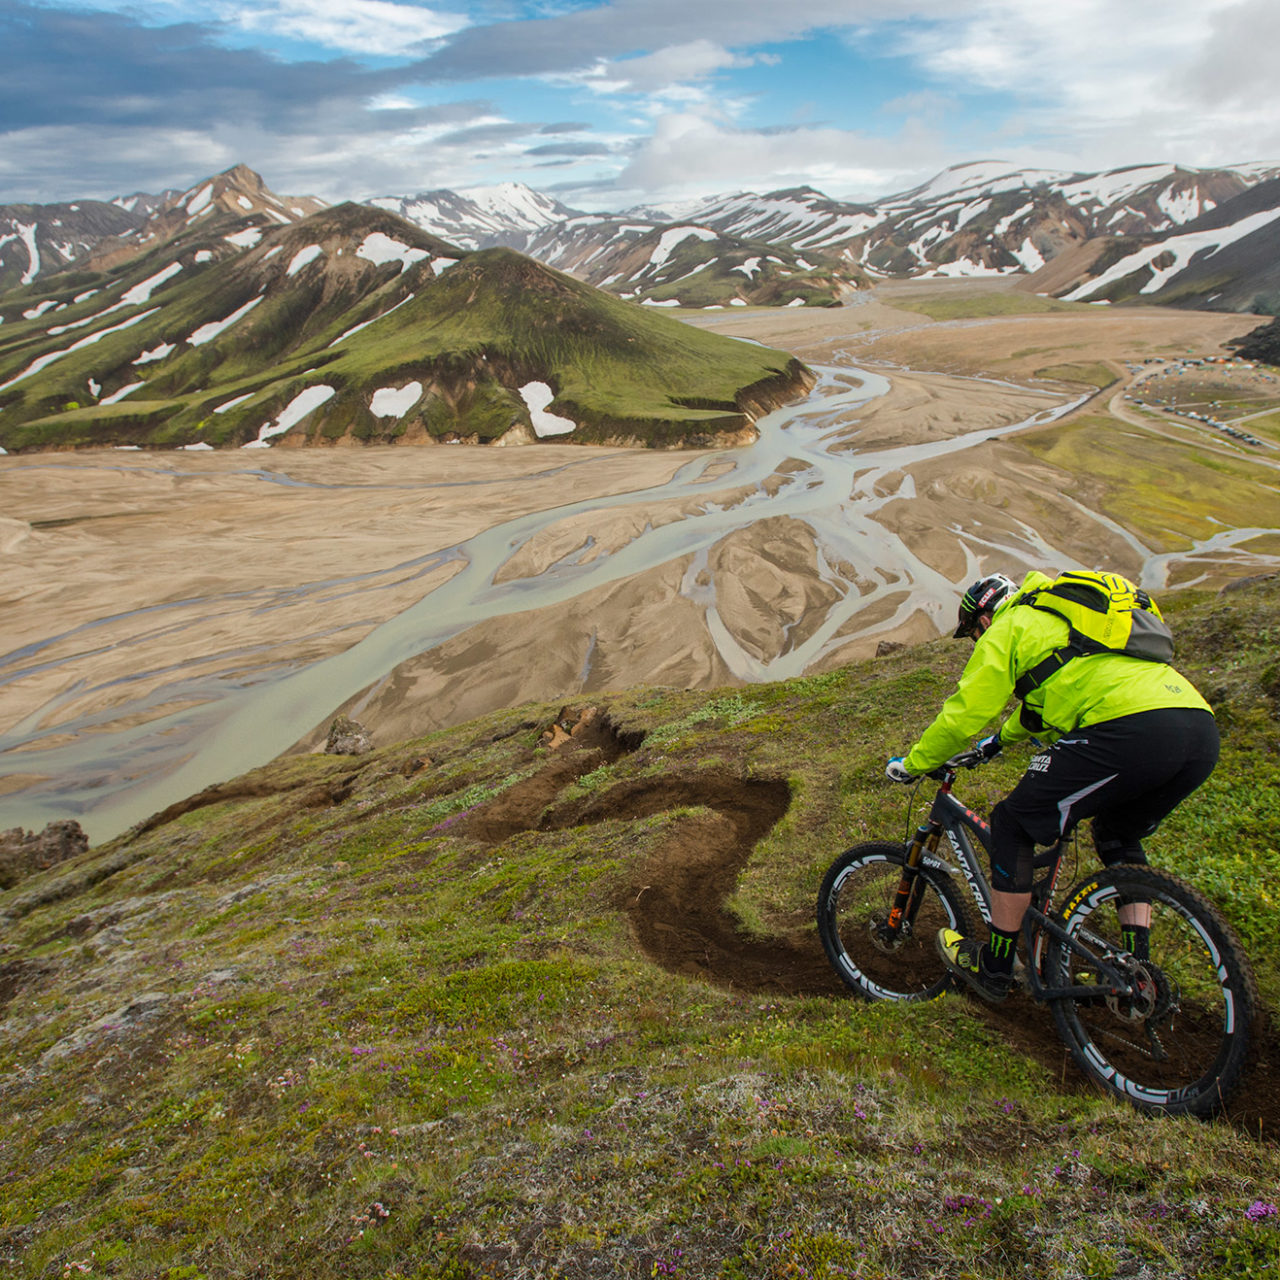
column 1168, row 1033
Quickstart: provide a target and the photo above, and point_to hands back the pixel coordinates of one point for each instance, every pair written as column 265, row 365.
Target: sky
column 608, row 104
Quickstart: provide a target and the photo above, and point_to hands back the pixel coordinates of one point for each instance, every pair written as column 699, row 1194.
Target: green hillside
column 197, row 343
column 469, row 1006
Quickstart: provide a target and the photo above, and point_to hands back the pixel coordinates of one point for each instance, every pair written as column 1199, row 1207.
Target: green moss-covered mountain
column 354, row 324
column 473, row 1006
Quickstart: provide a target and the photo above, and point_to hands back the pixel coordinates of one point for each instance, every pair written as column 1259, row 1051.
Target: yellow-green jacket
column 1085, row 691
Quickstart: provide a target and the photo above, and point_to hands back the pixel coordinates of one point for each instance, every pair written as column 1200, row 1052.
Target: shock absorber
column 924, row 841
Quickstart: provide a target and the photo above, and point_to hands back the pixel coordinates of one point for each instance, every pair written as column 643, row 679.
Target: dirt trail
column 676, row 900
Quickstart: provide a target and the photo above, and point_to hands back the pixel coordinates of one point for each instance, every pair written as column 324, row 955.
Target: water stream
column 109, row 777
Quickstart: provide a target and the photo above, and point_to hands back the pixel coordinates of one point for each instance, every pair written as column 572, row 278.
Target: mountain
column 800, row 217
column 1262, row 344
column 1056, row 231
column 479, row 217
column 988, row 219
column 1227, row 259
column 690, row 264
column 353, row 324
column 977, row 219
column 237, row 196
column 38, row 239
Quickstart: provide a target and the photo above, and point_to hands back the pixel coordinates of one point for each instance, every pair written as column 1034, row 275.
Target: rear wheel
column 1175, row 1043
column 853, row 911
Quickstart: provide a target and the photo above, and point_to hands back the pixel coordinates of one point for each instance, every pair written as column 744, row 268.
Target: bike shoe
column 963, row 956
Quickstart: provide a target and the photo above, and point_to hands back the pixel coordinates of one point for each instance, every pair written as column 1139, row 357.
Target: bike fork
column 906, row 900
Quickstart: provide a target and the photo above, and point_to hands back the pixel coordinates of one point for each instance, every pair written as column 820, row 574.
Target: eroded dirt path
column 675, row 902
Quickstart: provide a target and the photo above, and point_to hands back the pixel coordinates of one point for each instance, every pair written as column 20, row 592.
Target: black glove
column 988, row 748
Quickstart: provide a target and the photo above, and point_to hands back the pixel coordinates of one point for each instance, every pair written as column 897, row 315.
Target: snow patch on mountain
column 537, row 396
column 207, row 332
column 379, row 248
column 395, row 402
column 303, row 403
column 117, row 396
column 44, row 361
column 670, row 240
column 1180, row 248
column 156, row 353
column 302, row 257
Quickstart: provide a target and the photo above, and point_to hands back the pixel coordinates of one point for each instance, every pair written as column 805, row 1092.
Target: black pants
column 1126, row 774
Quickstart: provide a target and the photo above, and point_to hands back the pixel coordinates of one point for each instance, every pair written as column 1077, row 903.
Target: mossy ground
column 405, row 1015
column 1124, row 471
column 977, row 304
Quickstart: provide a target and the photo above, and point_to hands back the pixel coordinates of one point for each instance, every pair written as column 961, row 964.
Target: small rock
column 23, row 852
column 118, row 1025
column 585, row 721
column 886, row 647
column 348, row 738
column 1243, row 584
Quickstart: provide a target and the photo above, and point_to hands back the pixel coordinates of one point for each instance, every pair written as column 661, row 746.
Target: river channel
column 110, row 773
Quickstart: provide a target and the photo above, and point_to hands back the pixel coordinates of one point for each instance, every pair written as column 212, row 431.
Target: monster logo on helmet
column 982, row 597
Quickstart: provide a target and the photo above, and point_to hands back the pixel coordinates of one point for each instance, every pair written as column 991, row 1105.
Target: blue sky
column 611, row 103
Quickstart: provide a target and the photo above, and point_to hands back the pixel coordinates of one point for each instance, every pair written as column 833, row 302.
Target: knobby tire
column 856, row 895
column 1179, row 1046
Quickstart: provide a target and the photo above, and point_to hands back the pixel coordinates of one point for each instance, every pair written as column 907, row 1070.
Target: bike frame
column 950, row 817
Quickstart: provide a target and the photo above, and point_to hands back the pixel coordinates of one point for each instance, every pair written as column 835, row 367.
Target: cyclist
column 1129, row 740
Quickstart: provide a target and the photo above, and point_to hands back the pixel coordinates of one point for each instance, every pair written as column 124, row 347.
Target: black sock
column 1000, row 951
column 1136, row 940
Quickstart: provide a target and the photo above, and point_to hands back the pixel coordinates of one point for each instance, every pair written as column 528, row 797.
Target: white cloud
column 654, row 72
column 689, row 153
column 1120, row 83
column 1238, row 60
column 354, row 26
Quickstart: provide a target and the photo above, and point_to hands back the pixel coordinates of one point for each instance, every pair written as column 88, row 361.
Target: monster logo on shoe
column 963, row 957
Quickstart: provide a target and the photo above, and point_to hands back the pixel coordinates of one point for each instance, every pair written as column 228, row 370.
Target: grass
column 1131, row 481
column 973, row 304
column 391, row 1036
column 1092, row 375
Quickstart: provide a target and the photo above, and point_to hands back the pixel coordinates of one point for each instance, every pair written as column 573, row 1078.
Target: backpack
column 1106, row 614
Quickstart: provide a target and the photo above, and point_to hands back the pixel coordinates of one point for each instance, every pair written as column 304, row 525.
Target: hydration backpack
column 1106, row 614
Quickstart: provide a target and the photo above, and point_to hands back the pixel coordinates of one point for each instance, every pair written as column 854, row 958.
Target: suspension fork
column 906, row 899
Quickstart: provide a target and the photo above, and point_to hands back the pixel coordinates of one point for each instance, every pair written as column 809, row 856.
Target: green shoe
column 963, row 956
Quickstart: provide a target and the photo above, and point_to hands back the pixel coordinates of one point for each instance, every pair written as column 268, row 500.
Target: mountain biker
column 1129, row 740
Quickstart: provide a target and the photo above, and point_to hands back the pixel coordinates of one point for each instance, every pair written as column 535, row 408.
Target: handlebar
column 946, row 771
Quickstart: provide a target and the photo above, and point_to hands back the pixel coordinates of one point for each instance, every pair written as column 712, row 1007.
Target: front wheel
column 853, row 911
column 1175, row 1041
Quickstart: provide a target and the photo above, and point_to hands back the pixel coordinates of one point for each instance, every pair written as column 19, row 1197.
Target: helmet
column 982, row 597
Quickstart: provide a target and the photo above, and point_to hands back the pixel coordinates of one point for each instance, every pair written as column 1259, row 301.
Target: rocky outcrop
column 348, row 738
column 23, row 852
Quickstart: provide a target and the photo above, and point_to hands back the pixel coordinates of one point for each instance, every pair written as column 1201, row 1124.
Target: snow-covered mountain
column 990, row 219
column 984, row 218
column 690, row 263
column 1164, row 233
column 39, row 240
column 42, row 238
column 1227, row 259
column 479, row 217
